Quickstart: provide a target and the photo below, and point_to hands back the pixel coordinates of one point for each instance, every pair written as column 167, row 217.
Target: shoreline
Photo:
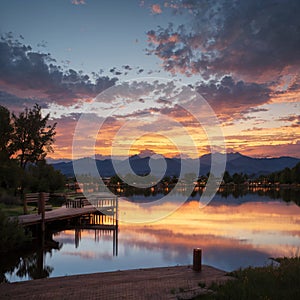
column 150, row 283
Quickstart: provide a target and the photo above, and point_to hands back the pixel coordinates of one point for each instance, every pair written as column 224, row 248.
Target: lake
column 235, row 230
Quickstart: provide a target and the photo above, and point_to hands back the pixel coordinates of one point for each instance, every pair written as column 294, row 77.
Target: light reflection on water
column 233, row 233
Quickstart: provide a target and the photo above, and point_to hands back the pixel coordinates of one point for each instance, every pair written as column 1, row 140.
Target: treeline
column 25, row 140
column 236, row 178
column 286, row 176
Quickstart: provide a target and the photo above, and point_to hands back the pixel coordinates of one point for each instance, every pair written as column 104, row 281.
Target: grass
column 280, row 281
column 11, row 210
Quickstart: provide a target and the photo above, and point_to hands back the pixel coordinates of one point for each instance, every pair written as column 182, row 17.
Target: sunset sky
column 242, row 57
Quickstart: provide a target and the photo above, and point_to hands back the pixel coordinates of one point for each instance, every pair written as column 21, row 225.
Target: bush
column 12, row 235
column 271, row 282
column 9, row 200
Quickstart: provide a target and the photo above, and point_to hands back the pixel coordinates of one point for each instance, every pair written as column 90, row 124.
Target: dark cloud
column 37, row 74
column 252, row 38
column 253, row 129
column 230, row 97
column 136, row 114
column 163, row 101
column 255, row 110
column 127, row 67
column 293, row 119
column 17, row 104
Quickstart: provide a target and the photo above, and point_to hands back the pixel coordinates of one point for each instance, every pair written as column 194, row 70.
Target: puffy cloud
column 234, row 98
column 65, row 129
column 78, row 2
column 16, row 104
column 35, row 75
column 156, row 9
column 250, row 38
column 287, row 149
column 293, row 119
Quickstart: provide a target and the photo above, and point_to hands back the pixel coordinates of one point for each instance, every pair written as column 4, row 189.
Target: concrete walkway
column 158, row 283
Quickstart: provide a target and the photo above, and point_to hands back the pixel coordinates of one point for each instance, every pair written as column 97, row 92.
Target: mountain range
column 235, row 163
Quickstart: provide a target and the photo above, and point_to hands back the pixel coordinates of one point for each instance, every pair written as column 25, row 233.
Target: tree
column 227, row 178
column 9, row 170
column 42, row 177
column 238, row 178
column 6, row 130
column 10, row 175
column 32, row 137
column 296, row 174
column 115, row 179
column 285, row 176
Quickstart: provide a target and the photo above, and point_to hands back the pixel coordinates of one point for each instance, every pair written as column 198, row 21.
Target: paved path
column 158, row 283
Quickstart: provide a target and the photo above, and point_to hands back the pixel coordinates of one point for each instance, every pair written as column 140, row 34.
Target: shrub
column 269, row 282
column 12, row 235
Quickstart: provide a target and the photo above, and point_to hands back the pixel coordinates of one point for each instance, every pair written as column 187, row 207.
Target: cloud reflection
column 231, row 237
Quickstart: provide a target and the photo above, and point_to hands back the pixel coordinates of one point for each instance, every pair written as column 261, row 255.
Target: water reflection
column 230, row 236
column 33, row 263
column 237, row 191
column 233, row 231
column 29, row 263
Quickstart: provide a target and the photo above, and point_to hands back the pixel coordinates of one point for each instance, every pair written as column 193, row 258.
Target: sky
column 168, row 77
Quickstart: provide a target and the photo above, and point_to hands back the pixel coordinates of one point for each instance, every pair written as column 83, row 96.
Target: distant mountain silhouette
column 236, row 163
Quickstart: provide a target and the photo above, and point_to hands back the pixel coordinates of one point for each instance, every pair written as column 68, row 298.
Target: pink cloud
column 156, row 9
column 78, row 2
column 236, row 38
column 289, row 149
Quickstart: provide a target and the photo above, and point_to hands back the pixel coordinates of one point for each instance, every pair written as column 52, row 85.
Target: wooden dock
column 58, row 214
column 158, row 283
column 78, row 206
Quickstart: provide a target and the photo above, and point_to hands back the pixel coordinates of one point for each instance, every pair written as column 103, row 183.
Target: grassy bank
column 278, row 281
column 12, row 210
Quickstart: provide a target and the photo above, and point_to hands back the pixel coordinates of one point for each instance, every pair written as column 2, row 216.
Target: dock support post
column 197, row 259
column 42, row 209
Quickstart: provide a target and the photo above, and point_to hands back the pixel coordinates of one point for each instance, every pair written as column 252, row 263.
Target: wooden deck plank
column 55, row 215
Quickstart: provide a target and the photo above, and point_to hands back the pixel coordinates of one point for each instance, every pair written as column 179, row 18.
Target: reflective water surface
column 234, row 231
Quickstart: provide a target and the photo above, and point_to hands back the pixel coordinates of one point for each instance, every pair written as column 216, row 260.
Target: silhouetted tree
column 6, row 130
column 115, row 179
column 32, row 137
column 42, row 177
column 227, row 178
column 10, row 173
column 285, row 176
column 239, row 178
column 295, row 174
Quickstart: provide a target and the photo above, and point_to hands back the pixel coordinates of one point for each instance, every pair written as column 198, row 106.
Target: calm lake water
column 233, row 231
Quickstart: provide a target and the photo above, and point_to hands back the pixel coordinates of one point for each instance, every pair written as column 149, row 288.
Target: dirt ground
column 179, row 282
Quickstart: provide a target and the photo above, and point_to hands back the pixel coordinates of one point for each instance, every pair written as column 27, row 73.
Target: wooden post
column 42, row 209
column 197, row 257
column 25, row 209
